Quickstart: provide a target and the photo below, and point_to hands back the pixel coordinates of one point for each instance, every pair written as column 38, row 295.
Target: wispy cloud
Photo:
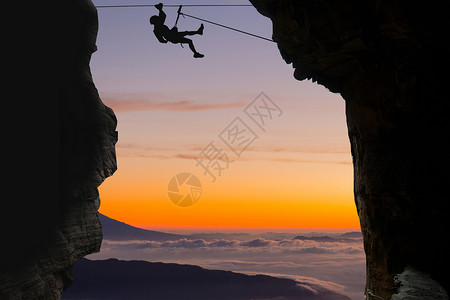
column 139, row 103
column 293, row 155
column 311, row 161
column 305, row 149
column 272, row 159
column 313, row 284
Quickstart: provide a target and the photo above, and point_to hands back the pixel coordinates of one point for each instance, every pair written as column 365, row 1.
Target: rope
column 228, row 27
column 197, row 18
column 373, row 295
column 171, row 5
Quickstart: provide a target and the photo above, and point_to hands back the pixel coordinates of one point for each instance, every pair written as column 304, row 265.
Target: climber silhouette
column 164, row 34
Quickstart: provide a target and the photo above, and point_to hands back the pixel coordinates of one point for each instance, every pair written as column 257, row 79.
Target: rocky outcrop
column 389, row 61
column 54, row 227
column 415, row 285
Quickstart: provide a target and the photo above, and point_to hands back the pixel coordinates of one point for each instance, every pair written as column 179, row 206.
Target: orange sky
column 252, row 193
column 169, row 106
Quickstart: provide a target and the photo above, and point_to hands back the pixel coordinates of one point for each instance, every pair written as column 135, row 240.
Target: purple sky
column 169, row 103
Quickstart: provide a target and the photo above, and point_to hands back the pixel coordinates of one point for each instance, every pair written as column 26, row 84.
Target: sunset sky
column 170, row 106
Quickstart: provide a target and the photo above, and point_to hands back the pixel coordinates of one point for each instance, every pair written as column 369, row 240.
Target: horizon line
column 230, row 228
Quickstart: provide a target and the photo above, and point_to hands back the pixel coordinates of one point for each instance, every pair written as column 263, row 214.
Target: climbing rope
column 228, row 27
column 194, row 17
column 171, row 5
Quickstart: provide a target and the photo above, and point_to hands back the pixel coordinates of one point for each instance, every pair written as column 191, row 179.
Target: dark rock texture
column 55, row 220
column 415, row 285
column 390, row 61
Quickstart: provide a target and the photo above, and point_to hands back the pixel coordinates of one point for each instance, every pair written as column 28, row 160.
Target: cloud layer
column 274, row 154
column 339, row 266
column 299, row 246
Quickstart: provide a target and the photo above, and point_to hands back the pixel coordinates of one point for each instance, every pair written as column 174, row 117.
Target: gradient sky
column 170, row 106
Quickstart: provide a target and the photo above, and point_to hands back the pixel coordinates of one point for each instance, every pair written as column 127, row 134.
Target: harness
column 178, row 16
column 176, row 22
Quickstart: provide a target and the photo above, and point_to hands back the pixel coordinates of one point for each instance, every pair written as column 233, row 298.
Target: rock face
column 55, row 229
column 389, row 62
column 415, row 285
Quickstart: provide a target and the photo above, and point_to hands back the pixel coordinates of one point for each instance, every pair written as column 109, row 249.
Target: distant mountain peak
column 114, row 230
column 328, row 239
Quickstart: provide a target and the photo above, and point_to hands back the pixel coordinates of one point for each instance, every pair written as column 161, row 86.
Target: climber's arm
column 160, row 37
column 162, row 15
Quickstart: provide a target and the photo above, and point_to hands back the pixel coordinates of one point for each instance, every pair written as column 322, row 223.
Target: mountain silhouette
column 352, row 234
column 324, row 239
column 117, row 279
column 114, row 230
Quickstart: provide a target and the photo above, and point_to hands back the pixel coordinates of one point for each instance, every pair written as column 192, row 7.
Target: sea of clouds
column 337, row 265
